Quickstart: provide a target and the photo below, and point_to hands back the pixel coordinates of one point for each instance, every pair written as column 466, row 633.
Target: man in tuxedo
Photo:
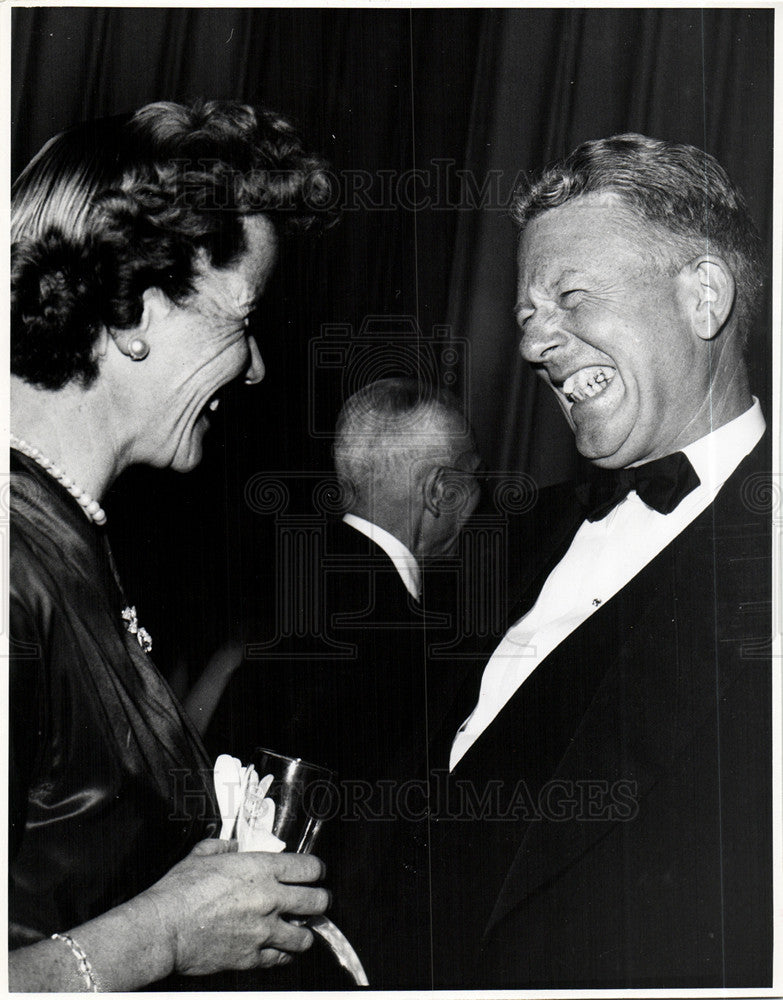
column 605, row 818
column 405, row 459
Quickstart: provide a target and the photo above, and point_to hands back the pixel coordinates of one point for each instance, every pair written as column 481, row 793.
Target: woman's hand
column 223, row 910
column 215, row 910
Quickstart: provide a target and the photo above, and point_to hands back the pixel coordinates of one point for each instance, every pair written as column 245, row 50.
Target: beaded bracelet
column 84, row 963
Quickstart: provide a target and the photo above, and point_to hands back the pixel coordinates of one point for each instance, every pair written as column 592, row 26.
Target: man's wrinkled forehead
column 613, row 201
column 562, row 239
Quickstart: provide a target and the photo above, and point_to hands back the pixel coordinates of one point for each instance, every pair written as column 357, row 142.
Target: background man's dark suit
column 666, row 686
column 363, row 714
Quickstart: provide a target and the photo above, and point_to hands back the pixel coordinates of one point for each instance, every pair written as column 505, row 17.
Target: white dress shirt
column 602, row 558
column 403, row 559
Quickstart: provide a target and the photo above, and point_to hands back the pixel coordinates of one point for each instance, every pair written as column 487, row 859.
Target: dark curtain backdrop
column 427, row 117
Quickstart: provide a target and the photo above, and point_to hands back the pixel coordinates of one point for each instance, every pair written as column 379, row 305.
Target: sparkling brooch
column 131, row 620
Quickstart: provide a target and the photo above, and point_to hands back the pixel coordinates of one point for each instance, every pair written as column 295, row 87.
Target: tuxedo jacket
column 612, row 825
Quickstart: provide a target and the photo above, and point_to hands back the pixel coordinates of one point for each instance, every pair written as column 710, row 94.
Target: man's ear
column 433, row 490
column 445, row 490
column 710, row 294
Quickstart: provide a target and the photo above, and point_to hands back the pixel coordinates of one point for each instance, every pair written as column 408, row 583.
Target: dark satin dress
column 109, row 783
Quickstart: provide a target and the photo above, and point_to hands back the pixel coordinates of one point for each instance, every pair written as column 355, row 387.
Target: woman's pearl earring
column 138, row 349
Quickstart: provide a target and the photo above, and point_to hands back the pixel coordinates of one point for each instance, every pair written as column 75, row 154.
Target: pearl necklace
column 92, row 509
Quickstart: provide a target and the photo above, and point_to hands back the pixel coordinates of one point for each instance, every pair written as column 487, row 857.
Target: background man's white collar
column 403, row 559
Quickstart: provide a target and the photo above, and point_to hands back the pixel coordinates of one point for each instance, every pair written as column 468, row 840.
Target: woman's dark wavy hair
column 115, row 206
column 681, row 192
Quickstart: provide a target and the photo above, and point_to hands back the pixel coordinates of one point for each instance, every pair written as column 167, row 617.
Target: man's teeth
column 214, row 405
column 587, row 382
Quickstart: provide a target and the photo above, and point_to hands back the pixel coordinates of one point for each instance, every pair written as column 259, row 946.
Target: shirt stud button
column 596, row 601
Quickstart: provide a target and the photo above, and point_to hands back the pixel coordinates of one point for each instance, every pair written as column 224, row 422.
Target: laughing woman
column 140, row 245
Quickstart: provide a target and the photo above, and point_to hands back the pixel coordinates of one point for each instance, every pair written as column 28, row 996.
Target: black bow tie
column 661, row 484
